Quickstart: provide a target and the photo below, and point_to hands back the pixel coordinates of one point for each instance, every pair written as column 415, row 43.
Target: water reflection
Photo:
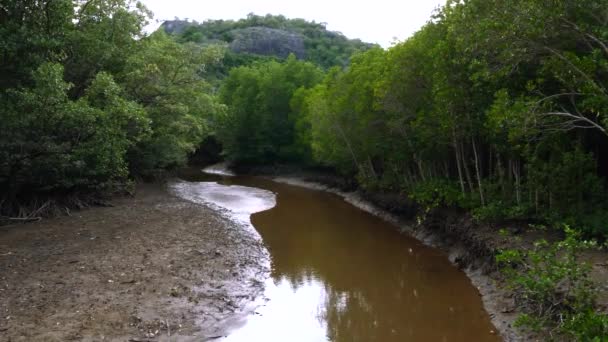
column 340, row 274
column 293, row 313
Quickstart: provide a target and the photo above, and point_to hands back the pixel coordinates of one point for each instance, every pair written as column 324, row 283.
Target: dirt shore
column 151, row 268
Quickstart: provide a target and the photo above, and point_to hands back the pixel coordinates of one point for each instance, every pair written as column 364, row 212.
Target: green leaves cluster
column 87, row 100
column 260, row 125
column 554, row 288
column 504, row 101
column 502, row 98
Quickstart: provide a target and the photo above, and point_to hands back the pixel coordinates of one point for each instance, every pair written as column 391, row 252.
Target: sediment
column 151, row 267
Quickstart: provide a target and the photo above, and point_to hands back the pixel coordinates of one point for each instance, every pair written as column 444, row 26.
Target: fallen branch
column 24, row 219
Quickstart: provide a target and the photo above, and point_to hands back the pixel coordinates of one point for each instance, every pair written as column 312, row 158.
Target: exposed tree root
column 38, row 207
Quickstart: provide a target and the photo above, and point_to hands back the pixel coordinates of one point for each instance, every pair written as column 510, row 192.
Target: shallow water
column 339, row 273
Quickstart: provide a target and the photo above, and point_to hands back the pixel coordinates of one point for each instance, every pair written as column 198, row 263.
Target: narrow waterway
column 339, row 273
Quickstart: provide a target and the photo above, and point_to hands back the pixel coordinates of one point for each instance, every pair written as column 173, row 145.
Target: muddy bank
column 151, row 268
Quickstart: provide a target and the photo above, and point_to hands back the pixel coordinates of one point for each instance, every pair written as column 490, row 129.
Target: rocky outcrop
column 175, row 26
column 268, row 42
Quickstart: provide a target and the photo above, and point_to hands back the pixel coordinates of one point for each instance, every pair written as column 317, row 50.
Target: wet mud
column 151, row 268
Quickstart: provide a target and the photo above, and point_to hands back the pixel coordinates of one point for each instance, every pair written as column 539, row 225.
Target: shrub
column 554, row 287
column 435, row 193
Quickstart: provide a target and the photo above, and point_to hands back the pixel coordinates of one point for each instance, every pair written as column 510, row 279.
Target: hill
column 273, row 36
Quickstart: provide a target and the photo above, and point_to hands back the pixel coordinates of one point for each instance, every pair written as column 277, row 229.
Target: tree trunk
column 458, row 166
column 491, row 164
column 501, row 173
column 350, row 148
column 420, row 169
column 478, row 171
column 516, row 174
column 467, row 173
column 371, row 168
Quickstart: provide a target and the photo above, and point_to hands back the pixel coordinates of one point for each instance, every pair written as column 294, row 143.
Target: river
column 339, row 273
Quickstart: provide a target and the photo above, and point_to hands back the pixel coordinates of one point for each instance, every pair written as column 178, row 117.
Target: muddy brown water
column 341, row 274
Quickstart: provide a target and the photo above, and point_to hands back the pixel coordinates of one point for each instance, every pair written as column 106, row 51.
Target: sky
column 374, row 21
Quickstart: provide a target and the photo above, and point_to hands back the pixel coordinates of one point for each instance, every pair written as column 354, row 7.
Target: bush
column 499, row 211
column 587, row 326
column 554, row 288
column 436, row 193
column 52, row 143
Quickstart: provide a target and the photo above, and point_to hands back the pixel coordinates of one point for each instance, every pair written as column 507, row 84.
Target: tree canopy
column 88, row 100
column 493, row 106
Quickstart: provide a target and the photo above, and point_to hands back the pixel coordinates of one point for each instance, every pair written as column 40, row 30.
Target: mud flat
column 153, row 267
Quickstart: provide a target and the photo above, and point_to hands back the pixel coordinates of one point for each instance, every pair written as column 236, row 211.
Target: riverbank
column 152, row 267
column 467, row 244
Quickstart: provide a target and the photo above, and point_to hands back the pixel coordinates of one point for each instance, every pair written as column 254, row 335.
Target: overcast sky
column 374, row 21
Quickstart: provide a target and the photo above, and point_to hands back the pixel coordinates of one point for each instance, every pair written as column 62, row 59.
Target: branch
column 83, row 8
column 577, row 69
column 577, row 118
column 558, row 95
column 588, row 35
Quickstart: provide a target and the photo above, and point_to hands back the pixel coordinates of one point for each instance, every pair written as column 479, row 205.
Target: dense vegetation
column 554, row 289
column 87, row 100
column 497, row 107
column 274, row 36
column 260, row 126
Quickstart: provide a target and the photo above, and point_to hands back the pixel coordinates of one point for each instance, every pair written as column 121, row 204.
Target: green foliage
column 104, row 35
column 554, row 287
column 164, row 76
column 260, row 124
column 587, row 326
column 499, row 211
column 437, row 193
column 346, row 129
column 516, row 124
column 87, row 100
column 53, row 143
column 32, row 33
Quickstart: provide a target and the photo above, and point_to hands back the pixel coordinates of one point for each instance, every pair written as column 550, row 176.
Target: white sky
column 374, row 21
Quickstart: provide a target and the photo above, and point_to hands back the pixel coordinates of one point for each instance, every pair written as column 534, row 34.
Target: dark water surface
column 340, row 274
